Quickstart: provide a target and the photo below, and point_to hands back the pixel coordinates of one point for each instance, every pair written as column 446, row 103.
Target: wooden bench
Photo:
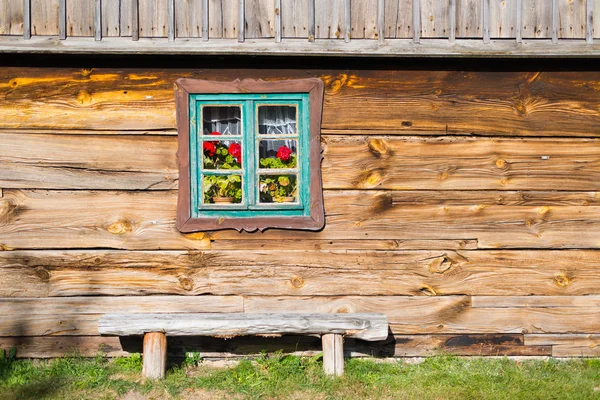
column 331, row 327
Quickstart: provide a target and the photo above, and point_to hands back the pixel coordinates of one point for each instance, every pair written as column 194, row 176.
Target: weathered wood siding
column 464, row 205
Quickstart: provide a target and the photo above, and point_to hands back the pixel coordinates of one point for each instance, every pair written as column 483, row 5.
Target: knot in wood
column 84, row 97
column 379, row 148
column 120, row 227
column 562, row 280
column 186, row 283
column 297, row 282
column 43, row 274
column 440, row 265
column 500, row 163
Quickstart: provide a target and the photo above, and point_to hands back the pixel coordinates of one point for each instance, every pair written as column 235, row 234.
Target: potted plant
column 220, row 155
column 222, row 189
column 278, row 188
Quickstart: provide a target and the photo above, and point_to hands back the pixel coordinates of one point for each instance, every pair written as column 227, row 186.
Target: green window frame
column 232, row 179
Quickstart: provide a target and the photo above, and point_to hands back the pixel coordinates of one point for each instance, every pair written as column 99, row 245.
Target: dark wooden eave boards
column 185, row 222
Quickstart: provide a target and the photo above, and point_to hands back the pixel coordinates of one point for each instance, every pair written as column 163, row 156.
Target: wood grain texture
column 207, row 347
column 44, row 17
column 421, row 102
column 260, row 19
column 153, row 18
column 572, row 19
column 434, row 18
column 11, row 17
column 188, row 18
column 581, row 345
column 406, row 315
column 363, row 17
column 503, row 18
column 596, row 19
column 572, row 274
column 333, row 354
column 155, row 356
column 120, row 304
column 398, row 19
column 537, row 19
column 445, row 314
column 329, row 19
column 364, row 326
column 294, row 18
column 350, row 162
column 145, row 220
column 469, row 18
column 80, row 18
column 111, row 17
column 223, row 18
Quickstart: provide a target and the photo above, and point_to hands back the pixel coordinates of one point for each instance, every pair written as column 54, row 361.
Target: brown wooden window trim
column 185, row 222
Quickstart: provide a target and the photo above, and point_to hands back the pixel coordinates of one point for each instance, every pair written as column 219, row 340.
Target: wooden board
column 445, row 314
column 351, row 162
column 145, row 220
column 294, row 18
column 260, row 19
column 434, row 19
column 223, row 18
column 398, row 19
column 582, row 345
column 153, row 18
column 407, row 315
column 111, row 17
column 80, row 18
column 414, row 102
column 44, row 17
column 510, row 277
column 571, row 16
column 363, row 17
column 469, row 18
column 537, row 19
column 120, row 304
column 188, row 18
column 364, row 326
column 329, row 19
column 11, row 17
column 402, row 346
column 503, row 18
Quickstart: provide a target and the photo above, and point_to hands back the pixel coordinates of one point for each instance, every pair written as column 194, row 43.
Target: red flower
column 284, row 153
column 215, row 134
column 236, row 151
column 209, row 148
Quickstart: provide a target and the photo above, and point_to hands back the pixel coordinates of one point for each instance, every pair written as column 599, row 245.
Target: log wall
column 465, row 205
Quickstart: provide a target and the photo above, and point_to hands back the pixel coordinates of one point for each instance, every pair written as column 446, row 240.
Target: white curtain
column 277, row 120
column 225, row 120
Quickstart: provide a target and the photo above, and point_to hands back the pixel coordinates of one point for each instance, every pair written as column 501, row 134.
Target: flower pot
column 223, row 200
column 289, row 199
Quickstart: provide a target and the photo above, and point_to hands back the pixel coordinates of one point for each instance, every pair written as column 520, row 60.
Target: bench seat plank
column 365, row 326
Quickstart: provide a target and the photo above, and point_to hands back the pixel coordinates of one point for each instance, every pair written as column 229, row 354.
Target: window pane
column 221, row 154
column 278, row 188
column 277, row 120
column 277, row 154
column 221, row 120
column 222, row 189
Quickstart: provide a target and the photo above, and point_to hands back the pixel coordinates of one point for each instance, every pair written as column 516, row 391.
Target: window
column 249, row 155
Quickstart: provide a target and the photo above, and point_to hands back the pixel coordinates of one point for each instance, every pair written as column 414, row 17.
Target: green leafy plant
column 278, row 188
column 222, row 186
column 219, row 155
column 285, row 159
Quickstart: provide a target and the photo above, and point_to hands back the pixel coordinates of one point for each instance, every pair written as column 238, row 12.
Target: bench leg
column 333, row 354
column 155, row 355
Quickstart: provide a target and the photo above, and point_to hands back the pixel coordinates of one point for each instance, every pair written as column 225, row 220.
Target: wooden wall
column 464, row 205
column 368, row 19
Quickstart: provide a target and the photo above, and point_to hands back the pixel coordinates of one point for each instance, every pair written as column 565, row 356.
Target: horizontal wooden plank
column 352, row 244
column 399, row 48
column 444, row 314
column 121, row 304
column 582, row 345
column 507, row 103
column 535, row 301
column 406, row 314
column 207, row 347
column 146, row 220
column 97, row 162
column 571, row 274
column 364, row 326
column 455, row 163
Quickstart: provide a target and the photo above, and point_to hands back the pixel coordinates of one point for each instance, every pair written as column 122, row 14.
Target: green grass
column 289, row 377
